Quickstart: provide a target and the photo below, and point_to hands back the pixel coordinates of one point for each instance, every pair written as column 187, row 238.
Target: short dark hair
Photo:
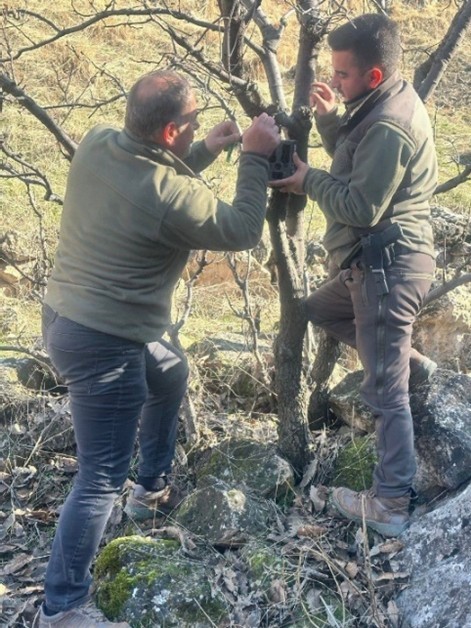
column 374, row 39
column 155, row 100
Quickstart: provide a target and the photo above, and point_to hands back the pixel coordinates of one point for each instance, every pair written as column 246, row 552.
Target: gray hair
column 155, row 100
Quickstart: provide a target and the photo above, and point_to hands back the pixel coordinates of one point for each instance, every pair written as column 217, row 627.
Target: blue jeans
column 115, row 386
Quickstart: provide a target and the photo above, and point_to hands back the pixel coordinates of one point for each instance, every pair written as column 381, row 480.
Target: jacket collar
column 356, row 110
column 152, row 151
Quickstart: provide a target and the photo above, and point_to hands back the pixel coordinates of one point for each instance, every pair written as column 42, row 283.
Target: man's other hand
column 322, row 98
column 262, row 136
column 294, row 183
column 222, row 135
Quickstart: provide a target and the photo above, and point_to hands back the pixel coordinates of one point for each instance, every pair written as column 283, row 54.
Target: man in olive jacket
column 133, row 210
column 376, row 202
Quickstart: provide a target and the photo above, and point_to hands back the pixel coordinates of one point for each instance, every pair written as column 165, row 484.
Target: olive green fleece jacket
column 384, row 167
column 132, row 213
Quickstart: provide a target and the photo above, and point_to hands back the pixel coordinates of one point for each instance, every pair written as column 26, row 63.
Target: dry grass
column 100, row 64
column 70, row 75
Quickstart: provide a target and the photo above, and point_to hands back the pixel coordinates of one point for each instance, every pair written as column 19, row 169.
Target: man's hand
column 222, row 135
column 295, row 182
column 262, row 136
column 322, row 98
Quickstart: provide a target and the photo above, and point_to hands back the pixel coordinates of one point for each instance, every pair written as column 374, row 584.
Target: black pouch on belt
column 377, row 254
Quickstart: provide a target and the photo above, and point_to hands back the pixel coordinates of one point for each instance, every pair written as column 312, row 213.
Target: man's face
column 187, row 123
column 348, row 79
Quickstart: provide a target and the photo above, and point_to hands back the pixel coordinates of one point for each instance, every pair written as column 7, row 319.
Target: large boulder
column 346, row 404
column 245, row 463
column 441, row 410
column 150, row 582
column 437, row 554
column 443, row 330
column 222, row 514
column 233, row 373
column 442, row 424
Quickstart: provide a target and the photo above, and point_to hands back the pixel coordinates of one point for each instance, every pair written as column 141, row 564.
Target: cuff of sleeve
column 309, row 183
column 326, row 117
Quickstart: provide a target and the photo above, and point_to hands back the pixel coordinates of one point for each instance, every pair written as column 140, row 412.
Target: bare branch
column 99, row 17
column 10, row 87
column 29, row 176
column 464, row 175
column 446, row 287
column 435, row 67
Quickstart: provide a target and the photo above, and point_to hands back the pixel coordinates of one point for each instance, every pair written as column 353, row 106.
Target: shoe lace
column 366, row 494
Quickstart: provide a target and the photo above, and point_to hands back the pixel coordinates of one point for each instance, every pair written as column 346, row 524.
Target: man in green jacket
column 376, row 203
column 133, row 210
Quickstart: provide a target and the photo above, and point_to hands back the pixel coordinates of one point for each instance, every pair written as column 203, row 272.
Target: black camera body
column 281, row 161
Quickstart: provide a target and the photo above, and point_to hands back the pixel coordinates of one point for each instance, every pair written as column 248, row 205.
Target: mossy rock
column 152, row 583
column 355, row 463
column 224, row 515
column 251, row 464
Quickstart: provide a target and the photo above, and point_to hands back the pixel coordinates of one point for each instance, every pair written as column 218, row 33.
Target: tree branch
column 435, row 67
column 10, row 87
column 463, row 176
column 438, row 292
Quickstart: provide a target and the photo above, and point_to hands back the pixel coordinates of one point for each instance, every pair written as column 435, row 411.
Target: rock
column 153, row 583
column 15, row 399
column 249, row 464
column 231, row 370
column 449, row 229
column 437, row 553
column 442, row 424
column 223, row 515
column 441, row 411
column 346, row 403
column 443, row 330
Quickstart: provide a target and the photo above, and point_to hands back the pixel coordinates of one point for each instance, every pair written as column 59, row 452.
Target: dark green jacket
column 384, row 166
column 132, row 213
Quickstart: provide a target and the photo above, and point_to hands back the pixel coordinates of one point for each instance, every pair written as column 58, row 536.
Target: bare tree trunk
column 434, row 68
column 328, row 352
column 293, row 432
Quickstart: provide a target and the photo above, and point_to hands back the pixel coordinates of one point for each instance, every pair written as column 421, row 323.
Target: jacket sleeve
column 196, row 219
column 328, row 125
column 199, row 157
column 379, row 166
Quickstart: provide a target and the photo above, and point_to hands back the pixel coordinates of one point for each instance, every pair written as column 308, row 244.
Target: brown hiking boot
column 85, row 616
column 143, row 504
column 387, row 515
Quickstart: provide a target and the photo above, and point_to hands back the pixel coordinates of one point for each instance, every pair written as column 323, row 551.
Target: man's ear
column 376, row 77
column 166, row 137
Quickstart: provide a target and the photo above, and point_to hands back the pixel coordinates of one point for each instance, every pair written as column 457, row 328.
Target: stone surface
column 442, row 424
column 345, row 402
column 441, row 410
column 153, row 583
column 443, row 330
column 437, row 554
column 249, row 464
column 231, row 370
column 223, row 515
column 450, row 230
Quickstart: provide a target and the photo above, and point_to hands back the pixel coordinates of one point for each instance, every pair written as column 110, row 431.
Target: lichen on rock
column 150, row 582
